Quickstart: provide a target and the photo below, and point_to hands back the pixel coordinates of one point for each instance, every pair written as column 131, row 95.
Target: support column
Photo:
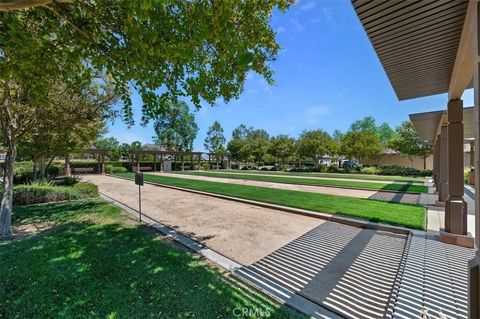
column 67, row 170
column 181, row 158
column 436, row 163
column 474, row 270
column 137, row 168
column 102, row 164
column 455, row 206
column 199, row 161
column 154, row 162
column 191, row 162
column 443, row 162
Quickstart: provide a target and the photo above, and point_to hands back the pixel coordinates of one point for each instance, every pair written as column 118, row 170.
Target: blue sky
column 326, row 76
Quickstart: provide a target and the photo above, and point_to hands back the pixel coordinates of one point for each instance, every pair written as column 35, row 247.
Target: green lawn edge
column 93, row 262
column 377, row 186
column 390, row 178
column 405, row 215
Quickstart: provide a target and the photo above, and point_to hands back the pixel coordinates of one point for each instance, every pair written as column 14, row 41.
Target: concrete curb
column 256, row 281
column 329, row 217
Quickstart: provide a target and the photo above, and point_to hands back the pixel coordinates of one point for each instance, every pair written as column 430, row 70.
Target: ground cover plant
column 94, row 262
column 411, row 216
column 318, row 182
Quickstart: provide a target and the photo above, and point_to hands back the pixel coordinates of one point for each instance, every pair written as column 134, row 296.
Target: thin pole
column 140, row 202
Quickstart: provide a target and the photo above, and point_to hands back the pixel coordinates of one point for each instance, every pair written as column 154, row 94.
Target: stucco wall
column 402, row 160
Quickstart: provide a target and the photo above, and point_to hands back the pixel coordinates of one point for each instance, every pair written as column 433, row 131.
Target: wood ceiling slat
column 420, row 35
column 424, row 24
column 424, row 54
column 421, row 43
column 391, row 7
column 399, row 22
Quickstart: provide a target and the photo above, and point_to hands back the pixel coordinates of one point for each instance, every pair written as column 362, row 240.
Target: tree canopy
column 407, row 142
column 314, row 144
column 360, row 145
column 176, row 128
column 215, row 140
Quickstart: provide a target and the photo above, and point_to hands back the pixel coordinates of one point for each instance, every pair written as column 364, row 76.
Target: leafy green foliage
column 281, row 147
column 215, row 140
column 361, row 144
column 407, row 142
column 176, row 128
column 46, row 192
column 314, row 144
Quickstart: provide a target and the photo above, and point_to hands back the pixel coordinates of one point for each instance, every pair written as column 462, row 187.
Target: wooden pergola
column 99, row 153
column 216, row 156
column 181, row 154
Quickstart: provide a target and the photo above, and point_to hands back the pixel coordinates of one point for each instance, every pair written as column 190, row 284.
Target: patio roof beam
column 464, row 62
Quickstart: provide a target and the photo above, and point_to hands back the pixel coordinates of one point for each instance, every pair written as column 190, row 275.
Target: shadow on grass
column 101, row 267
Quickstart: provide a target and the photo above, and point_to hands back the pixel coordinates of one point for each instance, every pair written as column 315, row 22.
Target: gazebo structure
column 431, row 47
column 99, row 153
column 223, row 156
column 155, row 153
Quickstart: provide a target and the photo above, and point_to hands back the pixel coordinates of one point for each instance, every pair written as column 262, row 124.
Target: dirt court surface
column 242, row 232
column 357, row 193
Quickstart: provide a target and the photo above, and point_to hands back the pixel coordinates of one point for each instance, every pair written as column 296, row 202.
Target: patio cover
column 416, row 41
column 428, row 124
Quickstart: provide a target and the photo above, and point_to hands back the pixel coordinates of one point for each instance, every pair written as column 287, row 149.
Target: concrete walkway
column 316, row 177
column 357, row 193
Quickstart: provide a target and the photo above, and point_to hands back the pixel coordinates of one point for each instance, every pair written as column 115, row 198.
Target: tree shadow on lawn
column 83, row 268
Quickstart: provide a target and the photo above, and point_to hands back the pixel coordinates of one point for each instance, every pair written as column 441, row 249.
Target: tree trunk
column 7, row 200
column 42, row 166
column 424, row 162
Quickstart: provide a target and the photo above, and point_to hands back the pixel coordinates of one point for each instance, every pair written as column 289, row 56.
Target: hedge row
column 35, row 194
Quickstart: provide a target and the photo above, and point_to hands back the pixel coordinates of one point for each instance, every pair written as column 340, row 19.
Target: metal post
column 140, row 202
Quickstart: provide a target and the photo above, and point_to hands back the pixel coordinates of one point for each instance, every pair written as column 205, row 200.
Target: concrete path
column 244, row 233
column 357, row 193
column 433, row 279
column 316, row 177
column 348, row 270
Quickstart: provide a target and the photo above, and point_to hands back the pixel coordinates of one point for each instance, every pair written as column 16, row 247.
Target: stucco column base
column 455, row 239
column 439, row 203
column 473, row 287
column 456, row 215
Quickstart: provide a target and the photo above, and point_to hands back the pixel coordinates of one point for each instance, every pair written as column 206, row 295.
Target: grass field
column 378, row 186
column 411, row 216
column 336, row 175
column 93, row 262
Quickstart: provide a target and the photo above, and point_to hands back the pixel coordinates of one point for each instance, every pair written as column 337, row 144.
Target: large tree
column 164, row 50
column 176, row 128
column 315, row 144
column 360, row 145
column 256, row 145
column 215, row 140
column 367, row 124
column 407, row 142
column 281, row 147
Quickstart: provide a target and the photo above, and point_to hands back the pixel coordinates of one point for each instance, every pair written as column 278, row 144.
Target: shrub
column 322, row 168
column 426, row 172
column 333, row 169
column 86, row 190
column 45, row 192
column 397, row 170
column 110, row 169
column 55, row 170
column 66, row 181
column 369, row 170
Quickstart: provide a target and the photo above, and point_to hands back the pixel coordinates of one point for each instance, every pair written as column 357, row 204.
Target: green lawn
column 411, row 216
column 337, row 175
column 317, row 182
column 93, row 262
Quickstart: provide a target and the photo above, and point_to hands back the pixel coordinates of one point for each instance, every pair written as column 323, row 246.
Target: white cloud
column 317, row 110
column 297, row 25
column 281, row 29
column 308, row 6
